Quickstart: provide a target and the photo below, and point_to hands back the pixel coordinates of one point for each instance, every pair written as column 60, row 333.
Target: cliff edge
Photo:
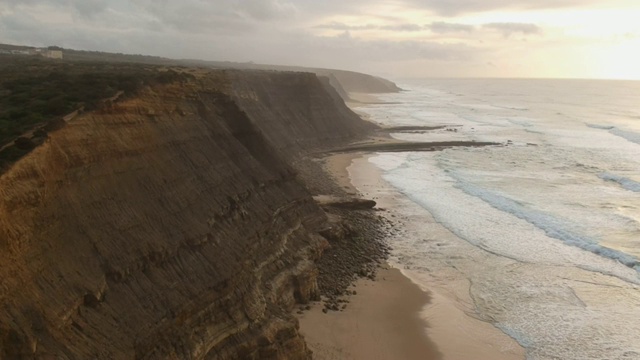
column 171, row 224
column 350, row 81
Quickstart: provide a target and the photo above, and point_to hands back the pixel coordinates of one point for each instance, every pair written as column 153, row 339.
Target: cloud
column 402, row 27
column 182, row 15
column 457, row 7
column 440, row 27
column 86, row 8
column 344, row 27
column 202, row 16
column 239, row 31
column 266, row 9
column 89, row 8
column 447, row 8
column 391, row 27
column 388, row 34
column 193, row 16
column 392, row 50
column 508, row 29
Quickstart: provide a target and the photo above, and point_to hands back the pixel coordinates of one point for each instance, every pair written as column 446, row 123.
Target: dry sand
column 380, row 322
column 336, row 165
column 452, row 326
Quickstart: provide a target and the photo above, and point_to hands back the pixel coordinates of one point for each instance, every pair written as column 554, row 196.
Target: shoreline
column 379, row 318
column 380, row 322
column 395, row 317
column 451, row 322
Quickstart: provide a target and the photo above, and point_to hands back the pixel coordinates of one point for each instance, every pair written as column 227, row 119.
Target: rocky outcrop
column 169, row 225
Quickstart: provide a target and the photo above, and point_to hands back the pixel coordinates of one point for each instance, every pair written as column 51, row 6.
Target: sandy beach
column 357, row 99
column 380, row 322
column 392, row 317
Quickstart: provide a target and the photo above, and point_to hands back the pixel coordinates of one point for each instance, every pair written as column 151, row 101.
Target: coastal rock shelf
column 173, row 224
column 401, row 146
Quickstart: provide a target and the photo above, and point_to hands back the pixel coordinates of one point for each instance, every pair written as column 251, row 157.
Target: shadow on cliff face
column 247, row 133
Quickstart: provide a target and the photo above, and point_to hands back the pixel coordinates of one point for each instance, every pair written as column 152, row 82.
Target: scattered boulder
column 353, row 204
column 351, row 254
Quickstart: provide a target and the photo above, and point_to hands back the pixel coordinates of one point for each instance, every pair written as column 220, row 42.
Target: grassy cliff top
column 35, row 92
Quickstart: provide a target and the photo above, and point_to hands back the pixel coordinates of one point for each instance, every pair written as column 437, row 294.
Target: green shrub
column 24, row 143
column 35, row 91
column 57, row 106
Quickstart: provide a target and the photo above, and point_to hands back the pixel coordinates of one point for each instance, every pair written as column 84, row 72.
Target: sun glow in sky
column 395, row 38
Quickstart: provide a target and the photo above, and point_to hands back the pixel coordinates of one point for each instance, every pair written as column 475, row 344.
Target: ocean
column 540, row 237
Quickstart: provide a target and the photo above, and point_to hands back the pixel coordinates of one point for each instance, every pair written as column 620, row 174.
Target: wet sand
column 451, row 324
column 392, row 317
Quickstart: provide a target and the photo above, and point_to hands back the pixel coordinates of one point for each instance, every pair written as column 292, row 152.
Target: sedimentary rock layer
column 171, row 224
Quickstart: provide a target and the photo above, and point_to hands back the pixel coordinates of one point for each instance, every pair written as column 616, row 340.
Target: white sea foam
column 525, row 282
column 628, row 135
column 623, row 181
column 551, row 225
column 603, row 127
column 521, row 122
column 546, row 246
column 495, row 223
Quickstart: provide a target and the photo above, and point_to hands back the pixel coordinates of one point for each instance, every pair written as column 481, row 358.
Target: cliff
column 352, row 81
column 343, row 81
column 170, row 225
column 339, row 89
column 317, row 118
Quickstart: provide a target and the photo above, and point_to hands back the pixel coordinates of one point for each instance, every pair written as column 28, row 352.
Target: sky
column 392, row 38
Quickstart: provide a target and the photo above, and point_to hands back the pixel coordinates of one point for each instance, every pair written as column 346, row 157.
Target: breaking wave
column 628, row 135
column 626, row 183
column 552, row 226
column 602, row 127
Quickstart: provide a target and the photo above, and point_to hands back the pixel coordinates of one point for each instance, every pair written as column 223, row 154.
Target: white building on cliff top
column 44, row 52
column 51, row 54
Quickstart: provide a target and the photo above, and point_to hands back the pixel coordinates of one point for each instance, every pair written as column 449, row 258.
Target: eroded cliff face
column 169, row 225
column 316, row 119
column 357, row 82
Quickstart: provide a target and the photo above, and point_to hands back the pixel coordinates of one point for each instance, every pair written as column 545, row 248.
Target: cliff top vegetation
column 36, row 93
